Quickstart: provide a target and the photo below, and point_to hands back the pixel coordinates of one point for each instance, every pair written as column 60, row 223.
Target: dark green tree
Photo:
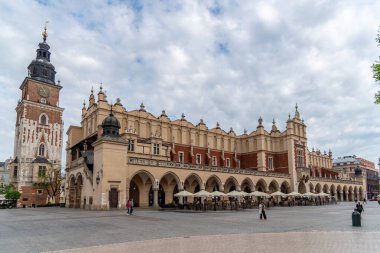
column 376, row 70
column 10, row 194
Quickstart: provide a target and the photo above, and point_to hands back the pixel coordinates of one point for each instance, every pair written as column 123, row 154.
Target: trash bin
column 34, row 205
column 62, row 205
column 356, row 219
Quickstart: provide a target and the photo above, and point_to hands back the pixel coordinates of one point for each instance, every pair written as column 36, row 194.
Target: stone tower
column 39, row 127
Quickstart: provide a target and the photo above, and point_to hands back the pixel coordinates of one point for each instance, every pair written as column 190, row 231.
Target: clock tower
column 39, row 129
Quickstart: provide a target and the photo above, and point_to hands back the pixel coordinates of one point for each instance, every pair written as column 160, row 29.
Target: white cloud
column 223, row 61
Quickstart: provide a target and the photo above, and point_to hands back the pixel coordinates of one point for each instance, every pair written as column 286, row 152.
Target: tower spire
column 44, row 33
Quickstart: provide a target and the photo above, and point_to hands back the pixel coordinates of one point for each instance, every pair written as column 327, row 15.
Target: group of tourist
column 129, row 206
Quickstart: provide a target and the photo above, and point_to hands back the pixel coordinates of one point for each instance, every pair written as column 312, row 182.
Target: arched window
column 41, row 150
column 43, row 117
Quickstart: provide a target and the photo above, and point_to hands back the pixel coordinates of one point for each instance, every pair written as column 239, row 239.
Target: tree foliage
column 50, row 182
column 376, row 70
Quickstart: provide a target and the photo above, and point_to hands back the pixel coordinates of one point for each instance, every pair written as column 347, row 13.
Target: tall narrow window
column 228, row 164
column 181, row 157
column 199, row 159
column 214, row 161
column 41, row 171
column 43, row 119
column 131, row 145
column 270, row 163
column 300, row 159
column 15, row 171
column 41, row 150
column 156, row 149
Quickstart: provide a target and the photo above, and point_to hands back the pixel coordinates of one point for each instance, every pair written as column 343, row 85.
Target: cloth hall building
column 115, row 155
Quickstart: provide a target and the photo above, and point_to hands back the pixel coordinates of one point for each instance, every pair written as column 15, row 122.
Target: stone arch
column 350, row 193
column 285, row 187
column 356, row 193
column 213, row 183
column 311, row 186
column 325, row 188
column 273, row 186
column 301, row 187
column 261, row 185
column 247, row 185
column 332, row 190
column 318, row 188
column 78, row 190
column 72, row 191
column 339, row 193
column 169, row 184
column 193, row 183
column 43, row 119
column 231, row 184
column 141, row 188
column 345, row 195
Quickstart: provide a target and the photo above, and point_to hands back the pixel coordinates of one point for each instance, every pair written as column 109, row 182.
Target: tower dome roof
column 111, row 125
column 111, row 121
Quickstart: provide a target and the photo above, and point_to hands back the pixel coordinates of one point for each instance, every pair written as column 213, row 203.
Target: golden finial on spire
column 44, row 33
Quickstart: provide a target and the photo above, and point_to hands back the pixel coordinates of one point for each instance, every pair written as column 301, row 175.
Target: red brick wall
column 248, row 161
column 29, row 196
column 280, row 162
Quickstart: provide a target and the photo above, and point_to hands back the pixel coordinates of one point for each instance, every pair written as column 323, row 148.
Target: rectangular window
column 41, row 171
column 228, row 164
column 131, row 145
column 156, row 149
column 181, row 157
column 199, row 159
column 15, row 171
column 270, row 163
column 214, row 161
column 300, row 159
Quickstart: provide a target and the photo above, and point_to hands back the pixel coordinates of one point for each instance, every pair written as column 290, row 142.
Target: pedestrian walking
column 132, row 205
column 365, row 200
column 128, row 206
column 262, row 211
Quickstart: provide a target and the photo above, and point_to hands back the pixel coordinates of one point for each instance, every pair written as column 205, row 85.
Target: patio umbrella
column 322, row 194
column 217, row 194
column 202, row 193
column 278, row 193
column 184, row 194
column 236, row 194
column 259, row 194
column 309, row 194
column 294, row 194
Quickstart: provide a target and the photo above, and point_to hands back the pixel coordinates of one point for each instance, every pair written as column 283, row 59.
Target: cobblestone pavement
column 294, row 229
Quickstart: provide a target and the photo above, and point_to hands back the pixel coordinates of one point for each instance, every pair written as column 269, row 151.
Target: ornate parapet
column 170, row 164
column 333, row 180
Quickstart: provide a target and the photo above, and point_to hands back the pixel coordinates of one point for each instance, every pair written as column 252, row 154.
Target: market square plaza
column 288, row 229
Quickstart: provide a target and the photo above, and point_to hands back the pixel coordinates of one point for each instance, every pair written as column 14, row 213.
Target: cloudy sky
column 225, row 61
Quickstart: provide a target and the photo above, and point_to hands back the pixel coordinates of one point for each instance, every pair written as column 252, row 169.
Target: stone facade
column 351, row 166
column 153, row 157
column 39, row 129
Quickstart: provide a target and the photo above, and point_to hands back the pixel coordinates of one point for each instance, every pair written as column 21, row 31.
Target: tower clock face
column 43, row 91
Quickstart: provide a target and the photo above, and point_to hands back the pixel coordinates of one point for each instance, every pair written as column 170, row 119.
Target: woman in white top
column 262, row 211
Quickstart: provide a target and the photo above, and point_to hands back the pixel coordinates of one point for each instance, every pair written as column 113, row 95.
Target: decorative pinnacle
column 217, row 125
column 274, row 122
column 289, row 116
column 84, row 103
column 44, row 33
column 231, row 130
column 142, row 106
column 296, row 107
column 101, row 86
column 92, row 90
column 245, row 131
column 260, row 121
column 111, row 113
column 183, row 116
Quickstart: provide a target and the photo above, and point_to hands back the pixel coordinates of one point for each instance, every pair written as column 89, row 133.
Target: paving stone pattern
column 293, row 229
